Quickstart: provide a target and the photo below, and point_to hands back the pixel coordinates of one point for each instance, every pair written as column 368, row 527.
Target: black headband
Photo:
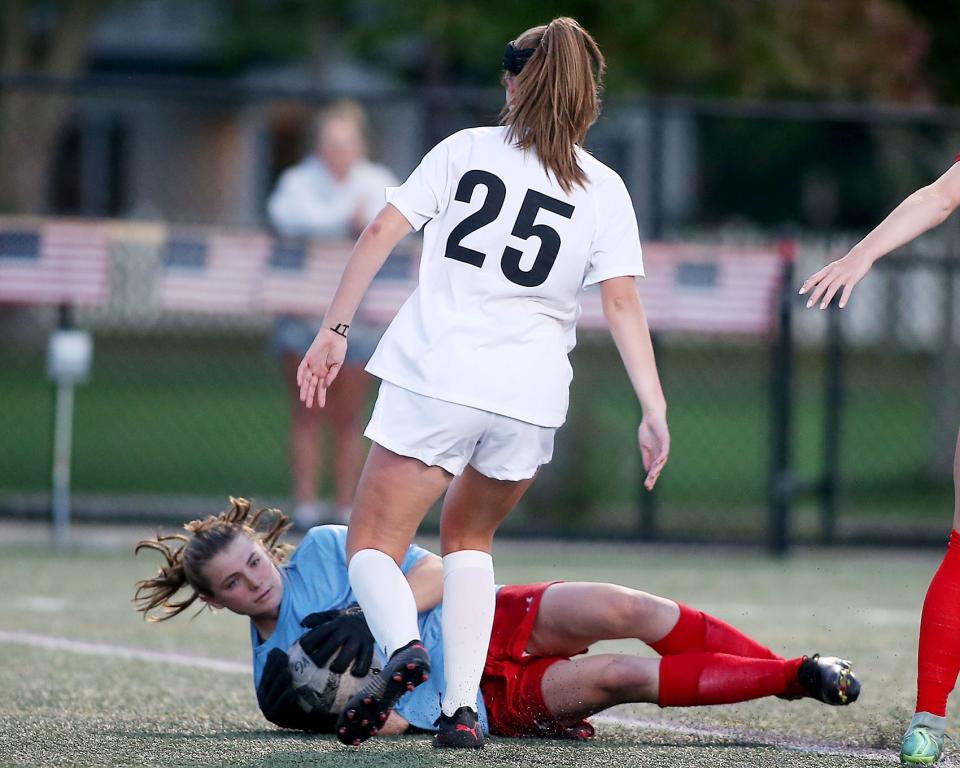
column 514, row 58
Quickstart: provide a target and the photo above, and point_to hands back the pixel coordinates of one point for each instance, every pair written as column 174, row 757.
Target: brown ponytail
column 207, row 538
column 556, row 97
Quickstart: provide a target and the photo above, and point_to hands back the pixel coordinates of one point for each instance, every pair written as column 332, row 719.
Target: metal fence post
column 781, row 376
column 68, row 363
column 62, row 444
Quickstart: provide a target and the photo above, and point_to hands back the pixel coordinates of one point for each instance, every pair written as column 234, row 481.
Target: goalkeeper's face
column 244, row 579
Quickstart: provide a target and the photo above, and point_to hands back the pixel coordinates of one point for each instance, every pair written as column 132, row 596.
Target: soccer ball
column 320, row 691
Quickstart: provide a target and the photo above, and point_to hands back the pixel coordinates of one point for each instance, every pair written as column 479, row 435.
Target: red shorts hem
column 512, row 683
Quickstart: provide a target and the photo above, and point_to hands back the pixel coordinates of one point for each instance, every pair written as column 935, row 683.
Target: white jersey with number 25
column 506, row 254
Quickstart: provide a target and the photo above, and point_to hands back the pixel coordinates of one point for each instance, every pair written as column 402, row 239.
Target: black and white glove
column 345, row 630
column 277, row 698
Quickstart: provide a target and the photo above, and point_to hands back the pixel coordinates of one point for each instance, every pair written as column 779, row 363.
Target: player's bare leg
column 574, row 689
column 474, row 507
column 705, row 661
column 392, row 497
column 574, row 615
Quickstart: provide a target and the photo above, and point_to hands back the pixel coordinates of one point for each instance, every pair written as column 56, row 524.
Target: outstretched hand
column 654, row 437
column 320, row 367
column 843, row 273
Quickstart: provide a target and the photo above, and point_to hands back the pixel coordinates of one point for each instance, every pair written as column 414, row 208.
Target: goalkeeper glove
column 278, row 699
column 346, row 630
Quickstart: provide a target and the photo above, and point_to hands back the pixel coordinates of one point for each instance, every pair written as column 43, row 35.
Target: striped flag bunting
column 217, row 273
column 302, row 276
column 54, row 262
column 688, row 288
column 703, row 289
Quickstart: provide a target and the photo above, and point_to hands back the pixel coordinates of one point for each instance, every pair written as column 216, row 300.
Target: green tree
column 848, row 49
column 851, row 49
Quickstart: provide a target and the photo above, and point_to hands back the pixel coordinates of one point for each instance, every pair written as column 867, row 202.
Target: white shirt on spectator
column 506, row 253
column 309, row 202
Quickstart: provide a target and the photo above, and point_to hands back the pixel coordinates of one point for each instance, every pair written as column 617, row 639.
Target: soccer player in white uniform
column 517, row 220
column 938, row 661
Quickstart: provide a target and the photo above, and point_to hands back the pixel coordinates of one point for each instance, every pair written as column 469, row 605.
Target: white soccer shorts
column 451, row 436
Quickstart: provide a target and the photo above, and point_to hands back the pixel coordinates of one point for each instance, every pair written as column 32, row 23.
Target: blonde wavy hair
column 187, row 554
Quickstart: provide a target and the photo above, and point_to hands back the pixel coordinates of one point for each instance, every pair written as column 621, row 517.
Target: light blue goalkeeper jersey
column 314, row 580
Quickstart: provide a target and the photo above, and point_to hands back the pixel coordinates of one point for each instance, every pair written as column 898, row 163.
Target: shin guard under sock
column 696, row 631
column 696, row 679
column 384, row 595
column 469, row 601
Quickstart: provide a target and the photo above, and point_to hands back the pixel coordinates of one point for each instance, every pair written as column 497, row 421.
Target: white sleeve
column 421, row 197
column 615, row 250
column 295, row 209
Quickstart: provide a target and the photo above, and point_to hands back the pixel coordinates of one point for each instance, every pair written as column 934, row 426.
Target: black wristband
column 341, row 329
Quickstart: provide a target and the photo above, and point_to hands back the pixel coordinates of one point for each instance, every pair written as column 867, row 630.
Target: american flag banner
column 702, row 289
column 301, row 276
column 54, row 262
column 212, row 272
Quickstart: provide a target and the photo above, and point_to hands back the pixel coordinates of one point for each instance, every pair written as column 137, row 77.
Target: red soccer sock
column 938, row 660
column 696, row 631
column 696, row 679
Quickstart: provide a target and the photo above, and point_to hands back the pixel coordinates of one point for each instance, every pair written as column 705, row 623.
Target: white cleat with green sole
column 923, row 742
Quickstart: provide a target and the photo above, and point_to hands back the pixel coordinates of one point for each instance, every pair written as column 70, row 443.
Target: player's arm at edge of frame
column 921, row 211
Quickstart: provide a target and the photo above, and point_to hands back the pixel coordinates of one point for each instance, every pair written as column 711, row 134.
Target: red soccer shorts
column 512, row 683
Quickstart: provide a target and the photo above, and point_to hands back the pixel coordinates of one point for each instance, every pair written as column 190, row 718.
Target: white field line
column 234, row 667
column 122, row 652
column 760, row 739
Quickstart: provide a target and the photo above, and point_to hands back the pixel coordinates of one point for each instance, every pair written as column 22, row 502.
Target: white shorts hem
column 411, row 453
column 503, row 473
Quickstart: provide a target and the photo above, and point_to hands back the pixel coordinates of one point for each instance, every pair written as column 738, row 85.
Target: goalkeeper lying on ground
column 311, row 651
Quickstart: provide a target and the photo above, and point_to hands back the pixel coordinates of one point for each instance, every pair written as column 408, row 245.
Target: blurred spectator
column 334, row 192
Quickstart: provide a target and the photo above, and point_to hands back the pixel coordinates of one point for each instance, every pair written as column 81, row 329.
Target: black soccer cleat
column 459, row 731
column 829, row 679
column 368, row 709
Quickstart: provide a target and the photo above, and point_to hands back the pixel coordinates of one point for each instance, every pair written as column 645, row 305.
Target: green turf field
column 63, row 707
column 170, row 416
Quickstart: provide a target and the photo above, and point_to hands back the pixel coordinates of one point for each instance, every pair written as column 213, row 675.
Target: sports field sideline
column 88, row 683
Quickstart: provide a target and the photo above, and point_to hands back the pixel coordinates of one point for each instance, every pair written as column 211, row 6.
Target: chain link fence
column 183, row 408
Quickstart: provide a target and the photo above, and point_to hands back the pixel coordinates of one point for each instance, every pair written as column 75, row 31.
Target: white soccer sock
column 385, row 597
column 469, row 599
